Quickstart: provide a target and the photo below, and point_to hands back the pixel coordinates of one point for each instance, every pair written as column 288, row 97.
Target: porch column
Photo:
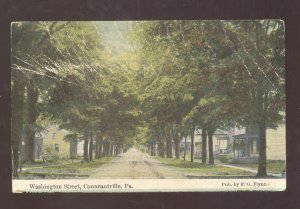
column 234, row 148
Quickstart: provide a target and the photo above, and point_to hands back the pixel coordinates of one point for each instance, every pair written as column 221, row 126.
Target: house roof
column 245, row 136
column 217, row 132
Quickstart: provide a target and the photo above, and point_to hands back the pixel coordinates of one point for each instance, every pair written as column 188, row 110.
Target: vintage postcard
column 148, row 106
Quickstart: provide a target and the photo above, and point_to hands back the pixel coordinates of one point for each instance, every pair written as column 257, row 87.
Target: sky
column 114, row 33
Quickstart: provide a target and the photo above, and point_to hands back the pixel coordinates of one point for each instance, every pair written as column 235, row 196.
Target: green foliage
column 49, row 154
column 273, row 166
column 225, row 159
column 65, row 169
column 158, row 75
column 201, row 170
column 210, row 74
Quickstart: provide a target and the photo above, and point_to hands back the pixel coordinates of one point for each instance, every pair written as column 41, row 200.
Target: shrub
column 49, row 155
column 225, row 159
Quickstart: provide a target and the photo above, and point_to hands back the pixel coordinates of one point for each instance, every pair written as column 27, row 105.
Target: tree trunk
column 111, row 149
column 86, row 149
column 262, row 160
column 168, row 137
column 210, row 148
column 184, row 153
column 97, row 147
column 161, row 145
column 91, row 147
column 204, row 145
column 177, row 145
column 262, row 105
column 104, row 151
column 100, row 145
column 262, row 98
column 151, row 149
column 118, row 149
column 17, row 100
column 106, row 147
column 32, row 114
column 73, row 149
column 192, row 142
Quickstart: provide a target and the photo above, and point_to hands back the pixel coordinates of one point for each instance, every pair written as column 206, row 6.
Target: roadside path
column 248, row 169
column 251, row 170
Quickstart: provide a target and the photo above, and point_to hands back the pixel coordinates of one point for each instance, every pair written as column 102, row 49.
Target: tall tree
column 258, row 76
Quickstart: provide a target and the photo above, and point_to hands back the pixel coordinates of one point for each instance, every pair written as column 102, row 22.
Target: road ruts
column 136, row 165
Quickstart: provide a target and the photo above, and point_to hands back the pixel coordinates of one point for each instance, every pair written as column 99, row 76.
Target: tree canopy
column 150, row 83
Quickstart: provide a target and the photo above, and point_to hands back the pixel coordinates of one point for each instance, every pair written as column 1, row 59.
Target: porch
column 245, row 148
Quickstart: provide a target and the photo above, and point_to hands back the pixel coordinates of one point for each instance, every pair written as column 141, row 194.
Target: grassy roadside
column 40, row 163
column 71, row 170
column 273, row 166
column 199, row 169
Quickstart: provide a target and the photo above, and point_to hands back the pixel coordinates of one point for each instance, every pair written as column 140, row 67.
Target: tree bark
column 100, row 145
column 161, row 145
column 97, row 147
column 262, row 105
column 184, row 153
column 18, row 90
column 104, row 152
column 91, row 146
column 153, row 148
column 111, row 148
column 192, row 142
column 73, row 149
column 106, row 148
column 204, row 145
column 85, row 149
column 168, row 136
column 116, row 150
column 262, row 160
column 177, row 145
column 32, row 114
column 210, row 147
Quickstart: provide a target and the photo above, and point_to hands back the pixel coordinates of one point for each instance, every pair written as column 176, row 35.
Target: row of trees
column 61, row 73
column 209, row 75
column 176, row 77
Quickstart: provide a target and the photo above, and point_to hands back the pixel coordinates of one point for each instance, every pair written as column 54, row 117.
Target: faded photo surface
column 132, row 106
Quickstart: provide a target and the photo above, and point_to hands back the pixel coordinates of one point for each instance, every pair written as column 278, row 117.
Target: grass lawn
column 200, row 169
column 40, row 163
column 273, row 166
column 65, row 170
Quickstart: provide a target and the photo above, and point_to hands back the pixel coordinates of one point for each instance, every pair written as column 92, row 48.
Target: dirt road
column 136, row 165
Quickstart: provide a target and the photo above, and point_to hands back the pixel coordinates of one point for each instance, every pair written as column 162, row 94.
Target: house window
column 53, row 135
column 56, row 147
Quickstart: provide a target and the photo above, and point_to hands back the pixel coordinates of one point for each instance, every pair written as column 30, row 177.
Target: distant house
column 38, row 145
column 276, row 142
column 220, row 143
column 51, row 142
column 245, row 144
column 242, row 143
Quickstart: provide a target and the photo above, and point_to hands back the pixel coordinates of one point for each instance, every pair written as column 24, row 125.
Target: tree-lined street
column 146, row 84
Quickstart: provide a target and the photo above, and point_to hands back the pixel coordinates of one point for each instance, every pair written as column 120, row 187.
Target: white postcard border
column 146, row 185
